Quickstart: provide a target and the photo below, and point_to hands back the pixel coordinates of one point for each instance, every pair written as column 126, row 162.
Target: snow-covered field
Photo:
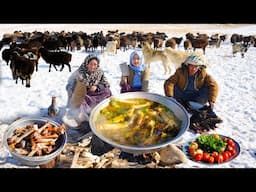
column 235, row 76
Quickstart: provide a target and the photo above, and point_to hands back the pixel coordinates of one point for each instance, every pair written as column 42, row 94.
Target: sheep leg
column 27, row 82
column 69, row 67
column 50, row 67
column 62, row 66
column 55, row 67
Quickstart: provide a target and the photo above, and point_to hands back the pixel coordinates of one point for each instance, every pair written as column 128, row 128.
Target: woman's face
column 92, row 65
column 136, row 60
column 192, row 69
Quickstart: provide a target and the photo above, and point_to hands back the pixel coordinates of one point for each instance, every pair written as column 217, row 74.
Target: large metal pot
column 171, row 103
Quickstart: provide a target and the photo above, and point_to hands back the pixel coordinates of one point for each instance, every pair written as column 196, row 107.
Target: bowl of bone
column 139, row 122
column 34, row 141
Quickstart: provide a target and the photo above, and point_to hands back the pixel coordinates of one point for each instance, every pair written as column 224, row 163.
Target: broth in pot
column 137, row 122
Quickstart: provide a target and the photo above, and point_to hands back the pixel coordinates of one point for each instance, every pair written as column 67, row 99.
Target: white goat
column 111, row 47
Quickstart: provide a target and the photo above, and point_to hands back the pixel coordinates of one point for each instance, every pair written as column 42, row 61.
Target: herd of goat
column 23, row 49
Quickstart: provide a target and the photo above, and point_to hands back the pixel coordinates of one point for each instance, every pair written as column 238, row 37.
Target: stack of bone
column 79, row 156
column 35, row 141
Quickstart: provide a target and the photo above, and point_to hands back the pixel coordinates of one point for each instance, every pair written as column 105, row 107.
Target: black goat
column 31, row 54
column 6, row 55
column 56, row 58
column 21, row 67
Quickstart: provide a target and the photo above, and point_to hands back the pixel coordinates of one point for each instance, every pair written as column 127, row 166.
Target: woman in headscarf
column 87, row 87
column 135, row 75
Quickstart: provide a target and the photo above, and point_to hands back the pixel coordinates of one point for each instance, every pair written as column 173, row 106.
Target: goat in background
column 56, row 58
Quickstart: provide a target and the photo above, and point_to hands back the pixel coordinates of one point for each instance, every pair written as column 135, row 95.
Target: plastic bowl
column 171, row 103
column 34, row 160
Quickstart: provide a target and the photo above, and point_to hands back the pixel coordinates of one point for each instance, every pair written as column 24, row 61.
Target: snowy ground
column 235, row 76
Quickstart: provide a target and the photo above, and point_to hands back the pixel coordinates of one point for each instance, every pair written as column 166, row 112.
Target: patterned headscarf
column 196, row 59
column 91, row 57
column 92, row 77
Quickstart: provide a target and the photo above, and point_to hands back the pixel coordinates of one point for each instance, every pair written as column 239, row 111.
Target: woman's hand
column 93, row 88
column 125, row 88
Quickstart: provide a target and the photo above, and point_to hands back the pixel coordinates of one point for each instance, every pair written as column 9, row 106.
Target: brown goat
column 178, row 40
column 199, row 43
column 170, row 43
column 158, row 43
column 32, row 54
column 187, row 45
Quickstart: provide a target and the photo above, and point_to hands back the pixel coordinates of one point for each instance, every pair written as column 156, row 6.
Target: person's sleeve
column 213, row 88
column 145, row 81
column 169, row 85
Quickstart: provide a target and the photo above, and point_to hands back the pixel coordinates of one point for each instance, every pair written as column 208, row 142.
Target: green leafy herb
column 209, row 143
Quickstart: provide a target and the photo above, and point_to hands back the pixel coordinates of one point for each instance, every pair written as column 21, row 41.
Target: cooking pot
column 179, row 111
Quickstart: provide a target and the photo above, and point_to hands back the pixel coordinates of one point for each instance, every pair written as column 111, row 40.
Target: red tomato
column 229, row 154
column 225, row 156
column 233, row 152
column 219, row 158
column 211, row 159
column 231, row 143
column 230, row 148
column 198, row 157
column 206, row 156
column 191, row 151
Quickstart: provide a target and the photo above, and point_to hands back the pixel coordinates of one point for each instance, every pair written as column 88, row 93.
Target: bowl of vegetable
column 212, row 148
column 139, row 122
